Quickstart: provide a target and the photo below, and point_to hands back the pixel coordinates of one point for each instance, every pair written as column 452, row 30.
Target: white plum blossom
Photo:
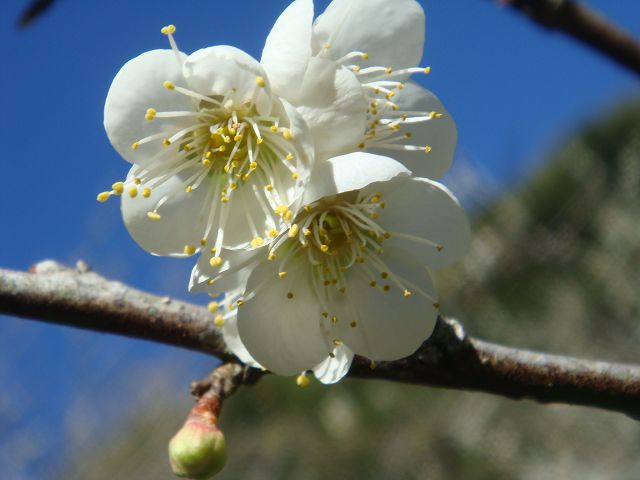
column 218, row 159
column 376, row 44
column 350, row 270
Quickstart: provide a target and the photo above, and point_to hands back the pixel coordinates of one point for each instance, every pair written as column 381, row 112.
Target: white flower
column 218, row 159
column 329, row 371
column 351, row 269
column 377, row 44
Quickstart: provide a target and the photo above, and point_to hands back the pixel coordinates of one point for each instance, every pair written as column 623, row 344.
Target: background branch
column 80, row 298
column 586, row 26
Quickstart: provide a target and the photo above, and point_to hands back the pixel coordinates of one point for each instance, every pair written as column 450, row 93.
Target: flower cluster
column 304, row 182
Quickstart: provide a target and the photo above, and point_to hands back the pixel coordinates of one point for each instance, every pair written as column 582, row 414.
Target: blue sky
column 514, row 90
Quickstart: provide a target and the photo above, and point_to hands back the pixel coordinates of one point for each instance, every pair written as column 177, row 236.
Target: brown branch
column 578, row 21
column 449, row 358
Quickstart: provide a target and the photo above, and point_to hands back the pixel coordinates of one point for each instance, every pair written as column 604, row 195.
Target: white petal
column 282, row 333
column 440, row 134
column 227, row 71
column 333, row 104
column 233, row 341
column 391, row 32
column 422, row 215
column 388, row 325
column 334, row 368
column 136, row 88
column 183, row 215
column 288, row 49
column 351, row 172
column 232, row 275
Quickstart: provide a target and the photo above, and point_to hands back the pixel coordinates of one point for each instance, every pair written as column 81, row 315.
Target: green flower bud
column 198, row 450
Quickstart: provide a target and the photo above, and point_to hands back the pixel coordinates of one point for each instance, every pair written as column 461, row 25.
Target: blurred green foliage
column 554, row 265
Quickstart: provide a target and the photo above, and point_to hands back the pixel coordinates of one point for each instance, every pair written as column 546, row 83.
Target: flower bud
column 198, row 450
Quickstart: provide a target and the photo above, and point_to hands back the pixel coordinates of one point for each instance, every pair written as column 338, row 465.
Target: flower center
column 333, row 235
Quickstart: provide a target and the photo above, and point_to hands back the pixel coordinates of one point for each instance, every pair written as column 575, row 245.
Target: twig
column 583, row 24
column 448, row 359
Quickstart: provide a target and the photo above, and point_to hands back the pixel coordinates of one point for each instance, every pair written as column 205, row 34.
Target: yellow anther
column 375, row 215
column 118, row 188
column 273, row 233
column 168, row 85
column 355, row 68
column 288, row 215
column 187, row 147
column 213, row 307
column 188, row 189
column 307, row 208
column 384, row 274
column 324, row 248
column 133, row 192
column 439, row 247
column 294, row 176
column 280, row 209
column 166, row 142
column 337, row 342
column 213, row 249
column 273, row 128
column 237, row 138
column 289, row 156
column 386, row 234
column 388, row 70
column 153, row 216
column 257, row 242
column 151, row 114
column 302, row 380
column 233, row 185
column 168, row 30
column 219, row 321
column 282, row 274
column 400, row 86
column 224, row 199
column 208, row 155
column 271, row 257
column 146, row 192
column 382, row 204
column 407, row 134
column 240, row 303
column 361, row 145
column 306, row 232
column 293, row 231
column 206, row 162
column 211, row 281
column 260, row 82
column 137, row 181
column 353, row 324
column 260, row 140
column 390, row 95
column 373, row 283
column 365, row 56
column 375, row 199
column 406, row 293
column 103, row 196
column 373, row 364
column 326, row 46
column 215, row 261
column 334, row 319
column 386, row 288
column 222, row 148
column 427, row 70
column 287, row 134
column 427, row 149
column 135, row 145
column 253, row 165
column 290, row 295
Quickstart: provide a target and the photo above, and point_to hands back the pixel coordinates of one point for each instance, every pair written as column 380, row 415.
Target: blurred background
column 548, row 165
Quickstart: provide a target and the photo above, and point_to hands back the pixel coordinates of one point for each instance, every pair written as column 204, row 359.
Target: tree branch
column 586, row 26
column 449, row 358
